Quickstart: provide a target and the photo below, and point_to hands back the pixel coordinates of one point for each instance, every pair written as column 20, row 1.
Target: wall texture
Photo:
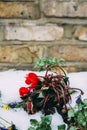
column 31, row 29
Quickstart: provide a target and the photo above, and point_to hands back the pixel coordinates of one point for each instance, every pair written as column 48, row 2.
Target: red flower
column 23, row 91
column 32, row 80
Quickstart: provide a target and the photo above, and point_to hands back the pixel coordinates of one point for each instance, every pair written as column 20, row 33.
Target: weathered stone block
column 76, row 66
column 16, row 0
column 1, row 33
column 69, row 52
column 21, row 54
column 34, row 32
column 57, row 8
column 81, row 33
column 19, row 10
column 68, row 31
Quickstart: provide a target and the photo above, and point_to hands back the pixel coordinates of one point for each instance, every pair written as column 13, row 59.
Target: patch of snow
column 11, row 81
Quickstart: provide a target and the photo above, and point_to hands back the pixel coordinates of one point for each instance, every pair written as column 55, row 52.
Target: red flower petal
column 34, row 84
column 32, row 79
column 23, row 91
column 28, row 81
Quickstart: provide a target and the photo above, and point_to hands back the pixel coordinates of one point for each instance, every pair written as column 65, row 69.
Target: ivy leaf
column 71, row 113
column 39, row 128
column 44, row 127
column 80, row 106
column 31, row 128
column 62, row 127
column 73, row 128
column 34, row 122
column 42, row 63
column 46, row 119
column 84, row 123
column 44, row 124
column 80, row 118
column 85, row 113
column 0, row 94
column 85, row 102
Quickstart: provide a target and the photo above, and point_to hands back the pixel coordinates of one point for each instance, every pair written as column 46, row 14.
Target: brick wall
column 31, row 29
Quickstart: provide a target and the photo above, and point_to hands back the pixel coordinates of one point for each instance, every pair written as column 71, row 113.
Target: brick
column 81, row 33
column 20, row 54
column 56, row 8
column 69, row 52
column 34, row 32
column 19, row 10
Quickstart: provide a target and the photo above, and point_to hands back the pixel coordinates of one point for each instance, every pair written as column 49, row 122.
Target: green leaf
column 44, row 127
column 84, row 123
column 20, row 105
column 46, row 119
column 48, row 127
column 34, row 122
column 39, row 128
column 42, row 63
column 85, row 101
column 0, row 94
column 73, row 128
column 85, row 113
column 44, row 124
column 80, row 106
column 80, row 118
column 71, row 113
column 62, row 127
column 31, row 128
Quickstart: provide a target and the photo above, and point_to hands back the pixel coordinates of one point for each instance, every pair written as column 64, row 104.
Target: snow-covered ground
column 11, row 81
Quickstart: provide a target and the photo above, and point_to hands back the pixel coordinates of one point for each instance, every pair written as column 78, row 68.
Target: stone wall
column 31, row 29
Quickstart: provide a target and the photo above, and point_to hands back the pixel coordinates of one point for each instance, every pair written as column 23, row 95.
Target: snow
column 11, row 81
